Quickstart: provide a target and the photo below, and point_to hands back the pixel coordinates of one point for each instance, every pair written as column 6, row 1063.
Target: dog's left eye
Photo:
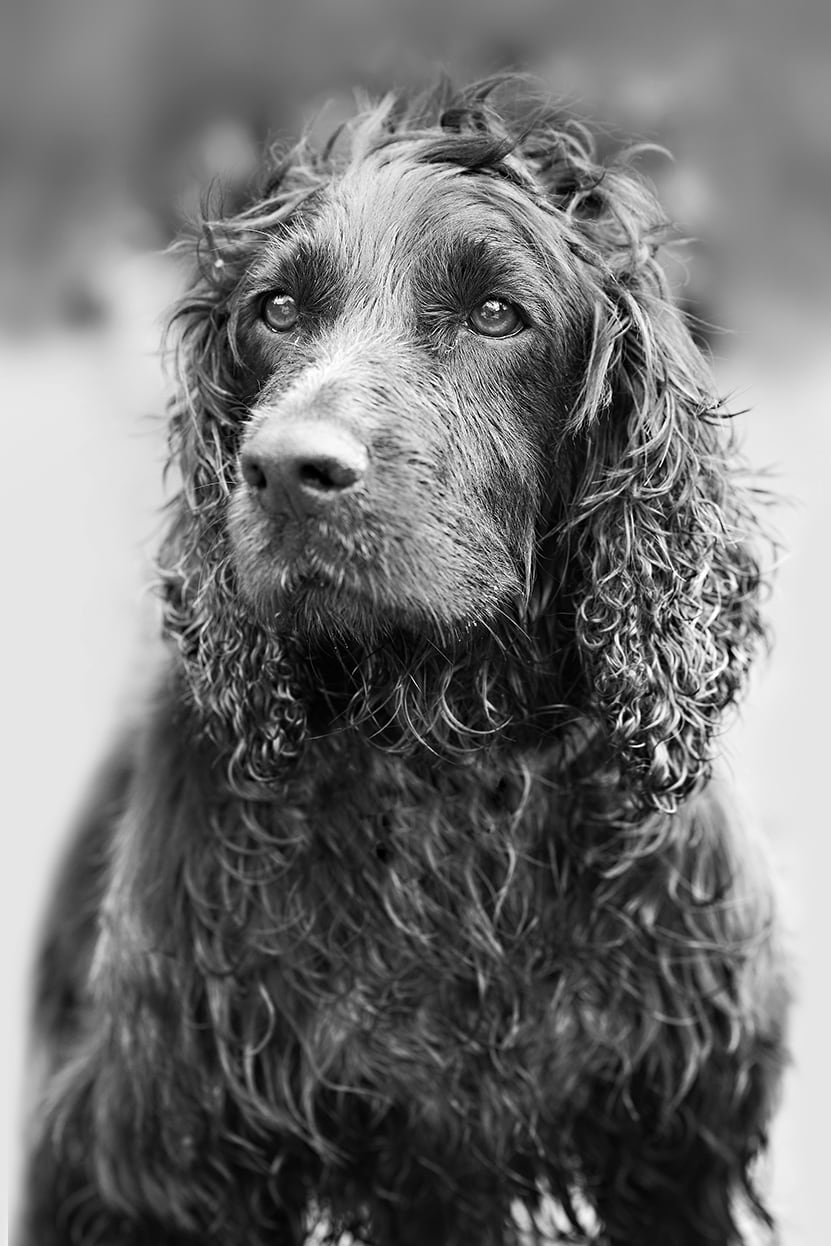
column 279, row 311
column 496, row 318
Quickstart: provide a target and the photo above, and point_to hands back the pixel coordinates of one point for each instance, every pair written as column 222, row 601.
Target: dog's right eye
column 496, row 318
column 279, row 311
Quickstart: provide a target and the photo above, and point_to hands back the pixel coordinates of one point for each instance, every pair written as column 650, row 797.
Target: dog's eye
column 279, row 311
column 495, row 318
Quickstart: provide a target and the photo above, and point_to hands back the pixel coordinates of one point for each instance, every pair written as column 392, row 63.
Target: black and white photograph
column 416, row 561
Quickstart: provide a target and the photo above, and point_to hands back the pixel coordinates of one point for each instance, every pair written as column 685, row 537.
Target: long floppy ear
column 241, row 680
column 661, row 577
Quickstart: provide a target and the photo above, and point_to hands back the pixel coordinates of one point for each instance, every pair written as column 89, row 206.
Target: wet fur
column 413, row 900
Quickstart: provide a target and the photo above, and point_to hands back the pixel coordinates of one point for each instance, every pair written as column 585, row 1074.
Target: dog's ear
column 205, row 419
column 660, row 576
column 242, row 681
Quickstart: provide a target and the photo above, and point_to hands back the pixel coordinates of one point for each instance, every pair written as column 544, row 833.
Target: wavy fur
column 420, row 905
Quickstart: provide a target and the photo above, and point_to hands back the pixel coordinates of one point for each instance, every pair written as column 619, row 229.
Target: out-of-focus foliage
column 115, row 114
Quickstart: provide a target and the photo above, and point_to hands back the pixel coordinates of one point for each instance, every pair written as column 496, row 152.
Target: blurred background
column 115, row 114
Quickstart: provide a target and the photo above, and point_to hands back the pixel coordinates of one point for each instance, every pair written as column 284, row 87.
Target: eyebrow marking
column 467, row 270
column 308, row 268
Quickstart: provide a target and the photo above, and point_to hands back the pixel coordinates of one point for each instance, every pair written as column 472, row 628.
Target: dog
column 411, row 906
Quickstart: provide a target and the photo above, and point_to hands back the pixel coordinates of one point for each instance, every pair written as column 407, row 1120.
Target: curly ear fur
column 663, row 582
column 242, row 681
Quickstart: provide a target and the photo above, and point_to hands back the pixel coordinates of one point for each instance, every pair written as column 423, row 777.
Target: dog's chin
column 313, row 600
column 317, row 600
column 315, row 580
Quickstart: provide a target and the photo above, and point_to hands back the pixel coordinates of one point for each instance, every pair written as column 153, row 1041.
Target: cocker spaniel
column 411, row 909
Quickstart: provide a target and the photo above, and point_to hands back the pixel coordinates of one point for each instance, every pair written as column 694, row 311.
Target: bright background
column 113, row 115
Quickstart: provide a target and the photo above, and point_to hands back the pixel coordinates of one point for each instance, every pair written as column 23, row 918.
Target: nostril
column 326, row 474
column 313, row 476
column 252, row 472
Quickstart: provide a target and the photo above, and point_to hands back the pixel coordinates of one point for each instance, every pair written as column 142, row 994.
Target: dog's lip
column 303, row 548
column 298, row 558
column 311, row 573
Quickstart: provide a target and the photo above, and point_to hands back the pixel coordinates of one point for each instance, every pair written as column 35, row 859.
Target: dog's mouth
column 313, row 582
column 323, row 593
column 318, row 578
column 367, row 571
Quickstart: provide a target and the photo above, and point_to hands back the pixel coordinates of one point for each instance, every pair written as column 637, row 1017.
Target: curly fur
column 414, row 902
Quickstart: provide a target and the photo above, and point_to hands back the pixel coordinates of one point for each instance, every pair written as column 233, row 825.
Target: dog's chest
column 424, row 933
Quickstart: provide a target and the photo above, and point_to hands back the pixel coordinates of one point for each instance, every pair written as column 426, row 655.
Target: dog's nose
column 302, row 467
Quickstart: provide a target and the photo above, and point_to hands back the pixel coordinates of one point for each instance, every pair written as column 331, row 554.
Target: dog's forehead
column 393, row 235
column 390, row 212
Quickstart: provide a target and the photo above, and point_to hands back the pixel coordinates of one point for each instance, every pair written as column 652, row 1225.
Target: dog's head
column 437, row 413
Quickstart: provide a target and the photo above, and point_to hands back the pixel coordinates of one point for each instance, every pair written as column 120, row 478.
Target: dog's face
column 438, row 413
column 410, row 338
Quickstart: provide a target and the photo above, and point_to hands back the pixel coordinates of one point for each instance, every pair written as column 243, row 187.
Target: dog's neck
column 264, row 697
column 411, row 693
